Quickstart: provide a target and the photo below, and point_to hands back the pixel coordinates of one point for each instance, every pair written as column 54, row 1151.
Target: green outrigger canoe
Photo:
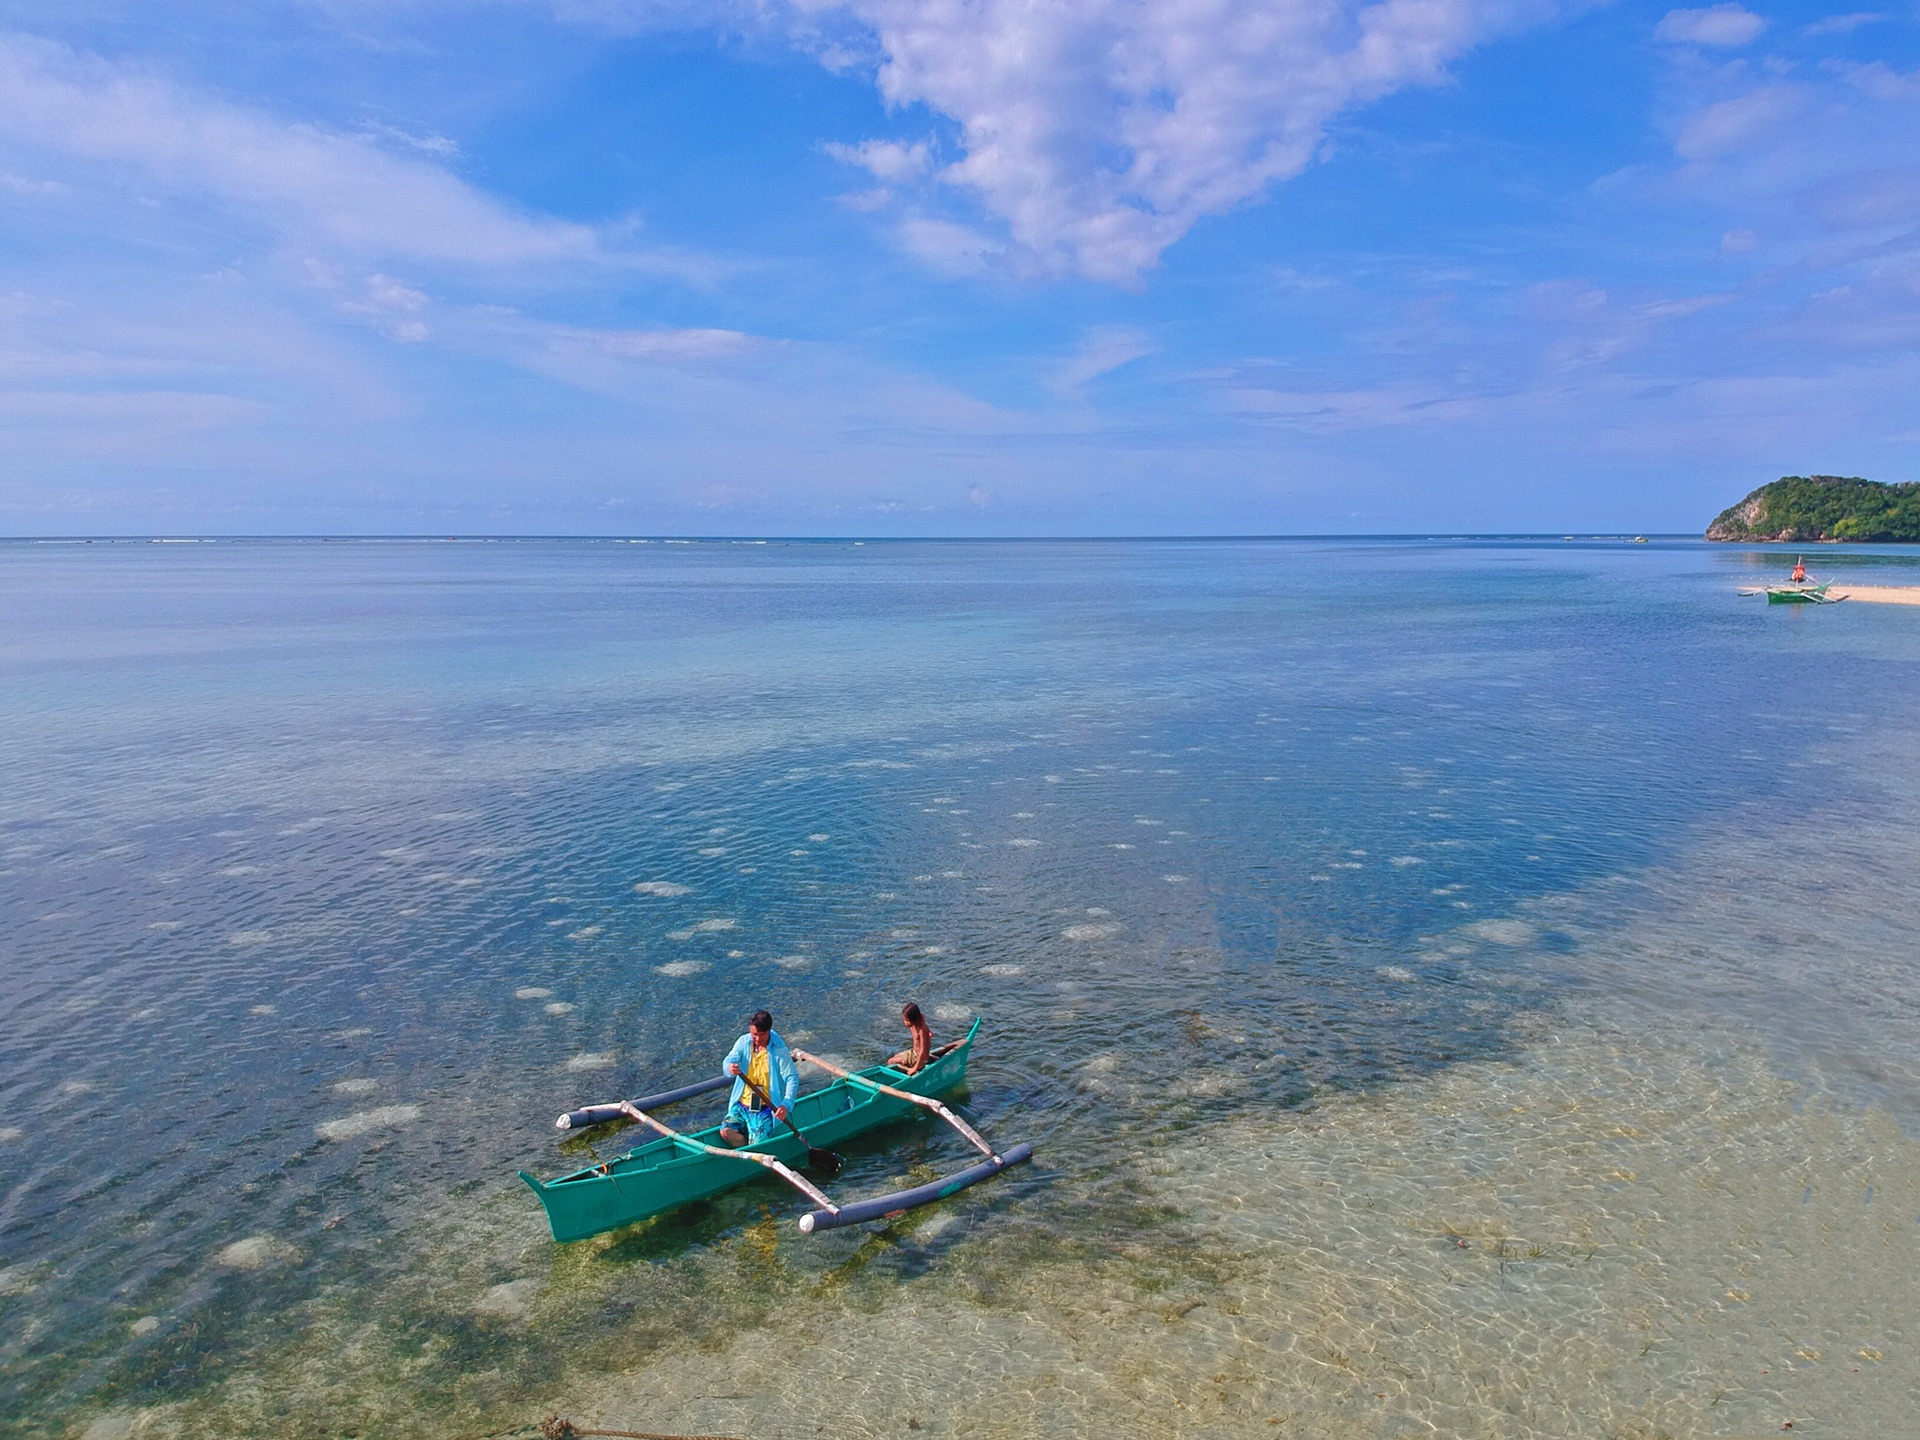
column 1810, row 593
column 662, row 1174
column 1800, row 589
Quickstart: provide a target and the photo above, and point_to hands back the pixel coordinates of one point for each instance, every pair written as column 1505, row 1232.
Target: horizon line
column 442, row 538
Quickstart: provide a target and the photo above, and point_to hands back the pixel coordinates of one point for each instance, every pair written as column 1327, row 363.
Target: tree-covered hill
column 1823, row 507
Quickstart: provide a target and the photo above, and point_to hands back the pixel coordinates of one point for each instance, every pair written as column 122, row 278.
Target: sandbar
column 1877, row 594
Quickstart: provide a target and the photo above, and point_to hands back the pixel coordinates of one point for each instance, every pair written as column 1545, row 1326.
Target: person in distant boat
column 1799, row 571
column 759, row 1061
column 917, row 1054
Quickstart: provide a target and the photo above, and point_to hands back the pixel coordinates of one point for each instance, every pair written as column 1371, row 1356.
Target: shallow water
column 1329, row 904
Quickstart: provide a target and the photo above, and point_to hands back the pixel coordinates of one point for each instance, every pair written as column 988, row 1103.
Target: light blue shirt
column 782, row 1076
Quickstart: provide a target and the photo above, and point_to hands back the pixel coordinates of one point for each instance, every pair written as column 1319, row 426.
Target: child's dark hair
column 762, row 1021
column 912, row 1014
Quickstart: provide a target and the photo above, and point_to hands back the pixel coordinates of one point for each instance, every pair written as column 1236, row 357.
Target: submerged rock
column 256, row 1252
column 361, row 1122
column 508, row 1301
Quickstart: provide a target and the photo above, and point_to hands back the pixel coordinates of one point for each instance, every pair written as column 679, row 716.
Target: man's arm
column 787, row 1079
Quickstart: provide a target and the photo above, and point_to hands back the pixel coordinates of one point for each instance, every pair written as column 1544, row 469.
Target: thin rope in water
column 557, row 1427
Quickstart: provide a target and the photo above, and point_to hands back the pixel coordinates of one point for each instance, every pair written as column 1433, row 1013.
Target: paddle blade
column 824, row 1161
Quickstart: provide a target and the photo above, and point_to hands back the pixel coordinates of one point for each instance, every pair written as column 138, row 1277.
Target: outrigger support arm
column 633, row 1112
column 927, row 1102
column 599, row 1114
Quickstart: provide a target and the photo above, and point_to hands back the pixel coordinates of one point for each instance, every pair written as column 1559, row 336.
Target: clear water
column 1439, row 978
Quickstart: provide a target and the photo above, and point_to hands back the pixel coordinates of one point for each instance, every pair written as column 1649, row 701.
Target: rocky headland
column 1806, row 508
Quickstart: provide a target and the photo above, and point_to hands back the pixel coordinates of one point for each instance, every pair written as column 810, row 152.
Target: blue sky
column 949, row 266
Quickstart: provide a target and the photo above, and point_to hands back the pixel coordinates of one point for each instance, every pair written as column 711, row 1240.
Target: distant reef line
column 1809, row 508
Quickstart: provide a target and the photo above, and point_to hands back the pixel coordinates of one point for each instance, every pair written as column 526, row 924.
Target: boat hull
column 660, row 1176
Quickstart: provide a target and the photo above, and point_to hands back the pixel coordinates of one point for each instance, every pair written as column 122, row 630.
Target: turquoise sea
column 1454, row 987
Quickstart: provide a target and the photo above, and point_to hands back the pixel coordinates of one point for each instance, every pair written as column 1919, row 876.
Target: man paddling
column 764, row 1071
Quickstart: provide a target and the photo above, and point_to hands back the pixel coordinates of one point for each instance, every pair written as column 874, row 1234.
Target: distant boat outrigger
column 1800, row 589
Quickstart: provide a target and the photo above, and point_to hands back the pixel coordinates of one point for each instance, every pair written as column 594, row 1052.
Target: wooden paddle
column 825, row 1161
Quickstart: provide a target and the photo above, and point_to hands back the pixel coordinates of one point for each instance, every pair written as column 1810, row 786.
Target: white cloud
column 26, row 186
column 1726, row 26
column 431, row 144
column 1099, row 131
column 1102, row 350
column 1869, row 199
column 1881, row 81
column 319, row 189
column 878, row 198
column 890, row 160
column 167, row 411
column 1877, row 309
column 659, row 367
column 391, row 307
column 389, row 294
column 950, row 248
column 1843, row 24
column 1821, row 173
column 1346, row 410
column 1737, row 123
column 675, row 347
column 395, row 307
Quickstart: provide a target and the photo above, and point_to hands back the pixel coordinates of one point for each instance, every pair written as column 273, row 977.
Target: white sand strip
column 1878, row 594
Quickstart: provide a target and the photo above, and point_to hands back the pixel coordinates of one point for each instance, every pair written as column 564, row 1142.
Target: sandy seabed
column 1615, row 1235
column 1622, row 1230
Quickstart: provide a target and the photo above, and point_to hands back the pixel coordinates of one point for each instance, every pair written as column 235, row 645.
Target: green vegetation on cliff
column 1823, row 507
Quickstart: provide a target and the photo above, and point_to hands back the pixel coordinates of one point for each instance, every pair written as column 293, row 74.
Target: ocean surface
column 1457, row 987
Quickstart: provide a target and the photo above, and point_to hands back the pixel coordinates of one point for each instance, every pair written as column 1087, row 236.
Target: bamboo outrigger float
column 678, row 1168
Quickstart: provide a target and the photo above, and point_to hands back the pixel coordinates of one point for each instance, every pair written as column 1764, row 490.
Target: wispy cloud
column 1844, row 24
column 645, row 367
column 1746, row 120
column 948, row 246
column 1102, row 350
column 335, row 192
column 145, row 412
column 23, row 185
column 1340, row 411
column 893, row 161
column 1721, row 26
